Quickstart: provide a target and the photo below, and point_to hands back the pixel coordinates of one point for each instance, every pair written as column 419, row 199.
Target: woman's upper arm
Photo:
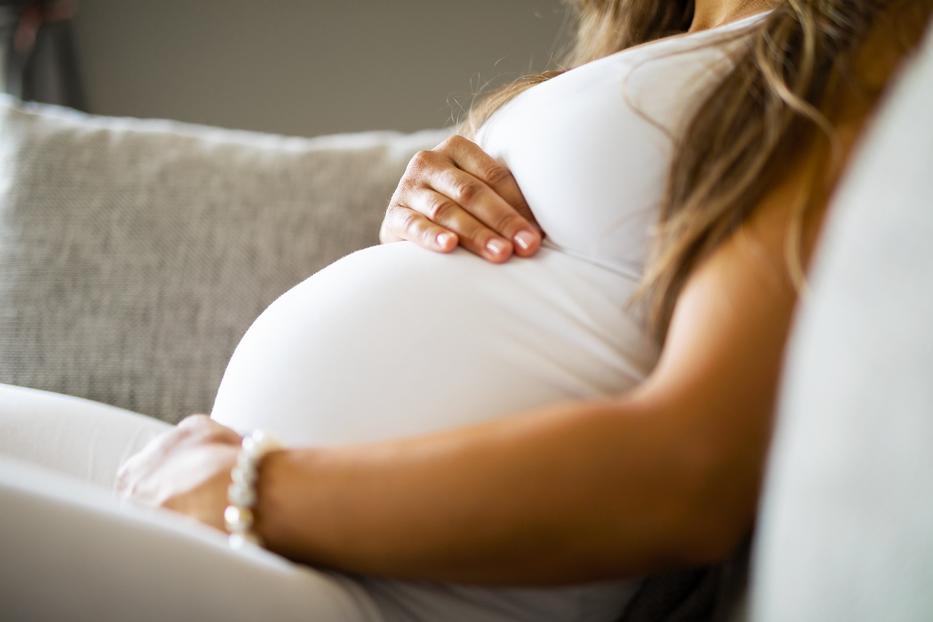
column 718, row 377
column 719, row 371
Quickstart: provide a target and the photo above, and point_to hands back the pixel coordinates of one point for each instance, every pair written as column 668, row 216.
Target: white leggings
column 70, row 550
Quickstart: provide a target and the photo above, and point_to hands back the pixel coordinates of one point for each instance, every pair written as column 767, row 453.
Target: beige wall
column 310, row 67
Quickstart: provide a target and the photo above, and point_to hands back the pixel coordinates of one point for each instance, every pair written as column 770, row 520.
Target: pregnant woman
column 571, row 388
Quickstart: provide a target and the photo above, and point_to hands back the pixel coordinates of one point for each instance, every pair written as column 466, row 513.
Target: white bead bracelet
column 242, row 495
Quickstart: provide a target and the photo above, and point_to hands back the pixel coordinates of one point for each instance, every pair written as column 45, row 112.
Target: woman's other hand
column 186, row 470
column 458, row 194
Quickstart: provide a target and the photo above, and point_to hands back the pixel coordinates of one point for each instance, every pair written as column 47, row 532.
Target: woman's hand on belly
column 458, row 194
column 186, row 470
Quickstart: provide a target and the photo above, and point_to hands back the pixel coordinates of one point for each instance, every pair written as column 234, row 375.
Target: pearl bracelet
column 241, row 495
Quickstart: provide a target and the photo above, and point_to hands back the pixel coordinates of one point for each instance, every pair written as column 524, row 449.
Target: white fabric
column 591, row 148
column 71, row 435
column 394, row 340
column 846, row 532
column 69, row 550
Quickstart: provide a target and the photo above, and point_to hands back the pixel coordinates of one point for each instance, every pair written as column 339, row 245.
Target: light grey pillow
column 134, row 254
column 846, row 532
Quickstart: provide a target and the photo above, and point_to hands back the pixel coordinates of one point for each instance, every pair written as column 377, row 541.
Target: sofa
column 135, row 253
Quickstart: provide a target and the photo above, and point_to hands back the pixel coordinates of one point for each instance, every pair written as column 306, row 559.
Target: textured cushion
column 847, row 522
column 134, row 254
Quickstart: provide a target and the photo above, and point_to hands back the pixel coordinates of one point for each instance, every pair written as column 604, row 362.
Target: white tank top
column 394, row 340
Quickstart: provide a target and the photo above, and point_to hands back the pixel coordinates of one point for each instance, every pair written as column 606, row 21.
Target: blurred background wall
column 307, row 67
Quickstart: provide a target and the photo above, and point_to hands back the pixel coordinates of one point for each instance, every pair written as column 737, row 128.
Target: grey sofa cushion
column 134, row 254
column 847, row 521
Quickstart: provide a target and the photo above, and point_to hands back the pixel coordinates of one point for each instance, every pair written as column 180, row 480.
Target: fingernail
column 496, row 246
column 524, row 239
column 444, row 238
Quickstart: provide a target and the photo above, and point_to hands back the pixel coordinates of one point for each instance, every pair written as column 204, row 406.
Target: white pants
column 70, row 550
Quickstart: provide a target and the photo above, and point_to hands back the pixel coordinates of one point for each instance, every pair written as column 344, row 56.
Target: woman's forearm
column 572, row 492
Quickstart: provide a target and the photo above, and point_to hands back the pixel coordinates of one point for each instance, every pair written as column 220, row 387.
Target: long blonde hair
column 773, row 102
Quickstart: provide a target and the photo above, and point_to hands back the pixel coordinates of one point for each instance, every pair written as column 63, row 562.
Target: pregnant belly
column 394, row 340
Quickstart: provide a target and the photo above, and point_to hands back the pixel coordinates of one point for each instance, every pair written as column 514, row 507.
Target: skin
column 456, row 194
column 666, row 475
column 712, row 13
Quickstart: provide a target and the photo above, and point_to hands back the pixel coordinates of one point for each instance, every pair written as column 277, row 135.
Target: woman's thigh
column 69, row 550
column 85, row 439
